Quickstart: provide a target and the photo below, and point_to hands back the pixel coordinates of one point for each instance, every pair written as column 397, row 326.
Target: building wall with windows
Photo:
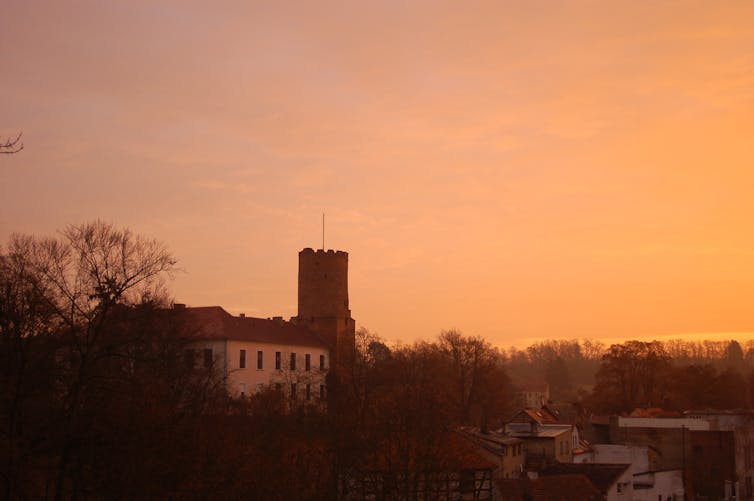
column 253, row 366
column 253, row 354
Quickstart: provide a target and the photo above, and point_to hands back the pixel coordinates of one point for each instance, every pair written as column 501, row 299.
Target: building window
column 308, row 362
column 277, row 360
column 308, row 392
column 278, row 386
column 293, row 361
column 260, row 359
column 321, row 362
column 322, row 392
column 208, row 357
column 293, row 391
column 242, row 359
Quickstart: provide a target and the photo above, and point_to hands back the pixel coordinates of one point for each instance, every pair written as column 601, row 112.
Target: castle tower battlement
column 322, row 284
column 323, row 303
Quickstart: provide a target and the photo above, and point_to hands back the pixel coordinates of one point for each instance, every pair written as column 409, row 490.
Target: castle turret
column 323, row 303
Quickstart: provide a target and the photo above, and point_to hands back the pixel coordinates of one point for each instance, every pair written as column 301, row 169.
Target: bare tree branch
column 10, row 145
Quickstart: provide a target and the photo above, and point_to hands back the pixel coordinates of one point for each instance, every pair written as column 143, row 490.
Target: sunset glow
column 515, row 170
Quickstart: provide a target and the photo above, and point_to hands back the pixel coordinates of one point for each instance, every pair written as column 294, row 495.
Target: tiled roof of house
column 213, row 322
column 603, row 476
column 561, row 488
column 654, row 412
column 493, row 442
column 543, row 433
column 540, row 416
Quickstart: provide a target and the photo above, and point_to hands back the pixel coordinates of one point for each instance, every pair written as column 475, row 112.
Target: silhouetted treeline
column 644, row 374
column 97, row 400
column 573, row 368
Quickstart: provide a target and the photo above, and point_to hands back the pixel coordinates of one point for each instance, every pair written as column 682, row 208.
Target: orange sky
column 516, row 170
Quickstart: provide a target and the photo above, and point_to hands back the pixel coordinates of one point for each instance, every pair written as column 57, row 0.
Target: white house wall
column 252, row 379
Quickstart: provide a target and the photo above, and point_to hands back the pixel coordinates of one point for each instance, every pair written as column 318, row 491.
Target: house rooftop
column 603, row 476
column 493, row 442
column 541, row 433
column 568, row 487
column 539, row 416
column 214, row 323
column 654, row 412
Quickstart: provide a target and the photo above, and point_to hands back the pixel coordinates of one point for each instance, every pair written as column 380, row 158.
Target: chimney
column 242, row 315
column 179, row 306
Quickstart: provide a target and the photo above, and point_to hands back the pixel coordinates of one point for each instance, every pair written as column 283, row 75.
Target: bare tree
column 477, row 379
column 11, row 145
column 69, row 301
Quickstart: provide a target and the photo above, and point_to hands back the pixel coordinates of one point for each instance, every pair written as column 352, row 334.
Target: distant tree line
column 96, row 400
column 677, row 374
column 645, row 374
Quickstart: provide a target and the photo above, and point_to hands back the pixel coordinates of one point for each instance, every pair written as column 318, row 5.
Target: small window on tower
column 293, row 361
column 321, row 362
column 260, row 359
column 278, row 363
column 308, row 362
column 242, row 359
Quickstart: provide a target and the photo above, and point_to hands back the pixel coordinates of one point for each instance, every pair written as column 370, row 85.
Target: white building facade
column 256, row 354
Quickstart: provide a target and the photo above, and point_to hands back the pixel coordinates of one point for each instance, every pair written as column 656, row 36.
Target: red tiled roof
column 461, row 451
column 654, row 412
column 565, row 488
column 602, row 475
column 558, row 488
column 213, row 322
column 542, row 416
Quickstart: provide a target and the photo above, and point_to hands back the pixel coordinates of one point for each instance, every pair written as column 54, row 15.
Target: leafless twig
column 12, row 145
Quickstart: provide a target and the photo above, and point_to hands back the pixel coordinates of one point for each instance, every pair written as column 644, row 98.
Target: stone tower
column 323, row 303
